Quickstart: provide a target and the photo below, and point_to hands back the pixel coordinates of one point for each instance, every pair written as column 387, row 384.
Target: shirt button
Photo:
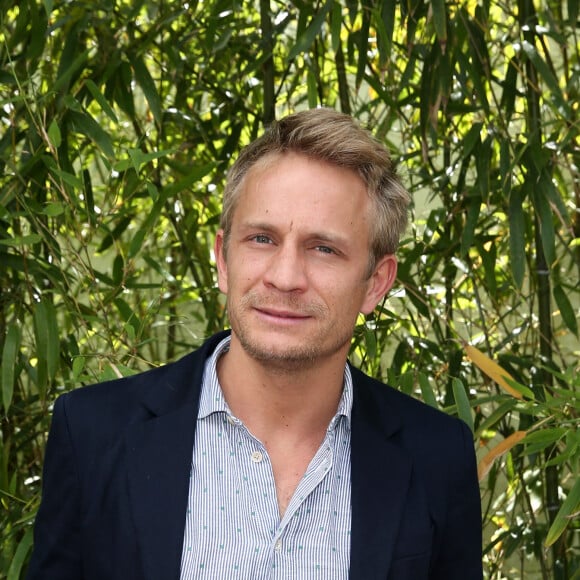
column 256, row 457
column 278, row 546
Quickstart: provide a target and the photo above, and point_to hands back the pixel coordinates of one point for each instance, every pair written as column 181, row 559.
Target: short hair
column 327, row 135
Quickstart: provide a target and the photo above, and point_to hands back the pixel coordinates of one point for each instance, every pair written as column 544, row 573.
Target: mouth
column 281, row 315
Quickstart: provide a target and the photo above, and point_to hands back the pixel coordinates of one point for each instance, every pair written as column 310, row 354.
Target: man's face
column 295, row 270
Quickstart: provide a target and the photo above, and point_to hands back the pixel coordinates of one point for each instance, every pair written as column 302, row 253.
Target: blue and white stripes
column 233, row 528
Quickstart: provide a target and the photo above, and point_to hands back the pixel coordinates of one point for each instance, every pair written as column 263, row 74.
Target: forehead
column 293, row 187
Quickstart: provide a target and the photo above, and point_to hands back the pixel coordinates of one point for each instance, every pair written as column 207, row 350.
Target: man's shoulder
column 388, row 404
column 436, row 443
column 170, row 384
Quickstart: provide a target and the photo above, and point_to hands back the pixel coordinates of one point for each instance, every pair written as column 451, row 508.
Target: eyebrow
column 257, row 226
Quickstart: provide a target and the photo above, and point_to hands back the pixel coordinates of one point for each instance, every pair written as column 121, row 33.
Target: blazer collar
column 380, row 478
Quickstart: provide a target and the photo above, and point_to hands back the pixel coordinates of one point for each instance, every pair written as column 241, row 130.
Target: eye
column 325, row 250
column 261, row 239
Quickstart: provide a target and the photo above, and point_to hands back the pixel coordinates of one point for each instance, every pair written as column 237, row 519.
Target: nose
column 286, row 270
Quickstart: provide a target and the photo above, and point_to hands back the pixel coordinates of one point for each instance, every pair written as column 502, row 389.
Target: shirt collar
column 212, row 399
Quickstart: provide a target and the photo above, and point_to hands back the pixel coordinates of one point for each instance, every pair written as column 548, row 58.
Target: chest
column 234, row 508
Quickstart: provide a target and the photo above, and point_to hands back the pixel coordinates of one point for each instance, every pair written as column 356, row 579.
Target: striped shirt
column 233, row 529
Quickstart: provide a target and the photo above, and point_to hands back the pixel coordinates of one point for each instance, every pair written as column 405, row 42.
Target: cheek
column 356, row 299
column 235, row 280
column 343, row 301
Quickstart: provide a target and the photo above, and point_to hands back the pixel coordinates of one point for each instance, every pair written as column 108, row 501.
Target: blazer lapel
column 380, row 480
column 159, row 452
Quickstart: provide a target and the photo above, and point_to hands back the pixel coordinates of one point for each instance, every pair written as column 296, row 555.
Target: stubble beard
column 291, row 358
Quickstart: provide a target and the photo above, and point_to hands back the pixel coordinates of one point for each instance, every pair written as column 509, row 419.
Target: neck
column 270, row 400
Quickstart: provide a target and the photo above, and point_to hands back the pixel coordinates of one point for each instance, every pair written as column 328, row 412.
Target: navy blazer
column 117, row 467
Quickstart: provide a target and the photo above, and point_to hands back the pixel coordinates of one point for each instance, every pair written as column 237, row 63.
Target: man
column 265, row 455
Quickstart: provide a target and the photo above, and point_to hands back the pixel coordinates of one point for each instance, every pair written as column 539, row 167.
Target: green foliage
column 119, row 120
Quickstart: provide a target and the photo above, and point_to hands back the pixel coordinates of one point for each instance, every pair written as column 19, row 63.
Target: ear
column 380, row 282
column 221, row 261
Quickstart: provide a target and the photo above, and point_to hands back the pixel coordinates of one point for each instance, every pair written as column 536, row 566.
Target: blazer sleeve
column 459, row 554
column 57, row 540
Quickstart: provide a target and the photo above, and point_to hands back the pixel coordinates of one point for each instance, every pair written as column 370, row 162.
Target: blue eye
column 261, row 239
column 325, row 249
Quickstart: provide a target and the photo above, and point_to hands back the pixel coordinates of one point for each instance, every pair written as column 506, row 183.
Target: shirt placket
column 285, row 544
column 258, row 491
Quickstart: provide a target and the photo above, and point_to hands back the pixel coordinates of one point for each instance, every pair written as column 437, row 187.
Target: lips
column 282, row 314
column 291, row 308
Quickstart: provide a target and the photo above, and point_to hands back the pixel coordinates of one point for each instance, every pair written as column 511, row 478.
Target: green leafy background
column 118, row 121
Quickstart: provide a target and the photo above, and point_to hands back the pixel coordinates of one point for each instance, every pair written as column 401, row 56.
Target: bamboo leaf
column 38, row 22
column 54, row 134
column 28, row 240
column 385, row 30
column 510, row 91
column 67, row 177
column 363, row 37
column 479, row 61
column 471, row 139
column 483, row 163
column 139, row 158
column 83, row 123
column 148, row 87
column 89, row 197
column 505, row 168
column 20, row 556
column 489, row 261
column 406, row 383
column 570, row 509
column 547, row 231
column 573, row 10
column 115, row 371
column 9, row 363
column 553, row 196
column 139, row 237
column 121, row 84
column 517, row 237
column 66, row 71
column 500, row 449
column 427, row 391
column 312, row 89
column 547, row 436
column 497, row 415
column 54, row 209
column 127, row 313
column 47, row 343
column 566, row 309
column 462, row 402
column 439, row 19
column 99, row 97
column 335, row 25
column 370, row 342
column 492, row 370
column 468, row 233
column 304, row 42
column 78, row 366
column 544, row 71
column 186, row 182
